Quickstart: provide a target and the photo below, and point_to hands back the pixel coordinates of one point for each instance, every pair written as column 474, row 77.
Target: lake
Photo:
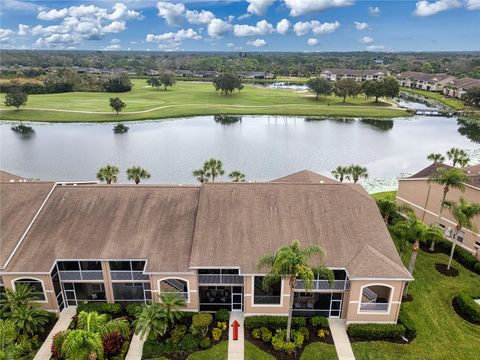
column 264, row 147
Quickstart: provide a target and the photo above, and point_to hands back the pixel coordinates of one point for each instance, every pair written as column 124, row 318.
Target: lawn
column 456, row 104
column 319, row 351
column 220, row 352
column 385, row 195
column 442, row 334
column 189, row 99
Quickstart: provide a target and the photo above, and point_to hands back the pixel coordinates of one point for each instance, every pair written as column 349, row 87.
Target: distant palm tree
column 341, row 173
column 172, row 305
column 292, row 263
column 214, row 168
column 357, row 172
column 463, row 213
column 436, row 158
column 201, row 175
column 449, row 179
column 458, row 156
column 136, row 173
column 237, row 176
column 108, row 173
column 390, row 208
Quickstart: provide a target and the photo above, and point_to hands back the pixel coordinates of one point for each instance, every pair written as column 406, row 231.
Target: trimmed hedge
column 273, row 322
column 408, row 323
column 319, row 322
column 460, row 255
column 101, row 308
column 376, row 331
column 468, row 308
column 222, row 315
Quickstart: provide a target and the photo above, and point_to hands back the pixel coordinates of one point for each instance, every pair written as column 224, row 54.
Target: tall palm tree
column 357, row 172
column 151, row 322
column 108, row 173
column 390, row 208
column 136, row 173
column 214, row 168
column 292, row 263
column 458, row 156
column 237, row 176
column 463, row 212
column 171, row 304
column 201, row 175
column 341, row 173
column 449, row 179
column 436, row 158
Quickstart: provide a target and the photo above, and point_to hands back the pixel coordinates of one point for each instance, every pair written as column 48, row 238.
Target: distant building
column 257, row 75
column 357, row 75
column 423, row 81
column 458, row 87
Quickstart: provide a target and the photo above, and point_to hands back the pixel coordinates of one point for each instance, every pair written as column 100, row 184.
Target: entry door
column 70, row 295
column 237, row 298
column 336, row 305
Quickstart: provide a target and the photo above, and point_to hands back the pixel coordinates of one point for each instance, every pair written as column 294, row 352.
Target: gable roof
column 8, row 177
column 472, row 172
column 306, row 176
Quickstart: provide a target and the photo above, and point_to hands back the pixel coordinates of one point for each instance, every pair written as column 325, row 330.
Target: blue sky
column 247, row 25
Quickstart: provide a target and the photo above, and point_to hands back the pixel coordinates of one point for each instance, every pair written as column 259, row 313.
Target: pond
column 264, row 147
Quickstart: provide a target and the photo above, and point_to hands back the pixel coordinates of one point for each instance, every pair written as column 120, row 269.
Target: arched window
column 35, row 284
column 375, row 298
column 176, row 286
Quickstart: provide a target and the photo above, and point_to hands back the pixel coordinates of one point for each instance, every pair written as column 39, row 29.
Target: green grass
column 319, row 351
column 216, row 352
column 384, row 195
column 442, row 334
column 189, row 99
column 254, row 353
column 456, row 104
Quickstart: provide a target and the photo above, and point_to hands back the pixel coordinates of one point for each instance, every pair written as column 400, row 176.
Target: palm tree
column 237, row 176
column 214, row 168
column 436, row 158
column 136, row 173
column 341, row 173
column 151, row 322
column 11, row 347
column 409, row 231
column 458, row 156
column 86, row 342
column 201, row 175
column 22, row 296
column 171, row 304
column 291, row 262
column 390, row 208
column 357, row 172
column 108, row 173
column 29, row 319
column 463, row 212
column 449, row 179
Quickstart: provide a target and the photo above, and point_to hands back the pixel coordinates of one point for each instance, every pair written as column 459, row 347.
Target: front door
column 336, row 305
column 237, row 298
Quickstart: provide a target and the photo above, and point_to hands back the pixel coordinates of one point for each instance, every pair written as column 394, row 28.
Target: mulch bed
column 281, row 355
column 459, row 313
column 407, row 298
column 394, row 341
column 442, row 269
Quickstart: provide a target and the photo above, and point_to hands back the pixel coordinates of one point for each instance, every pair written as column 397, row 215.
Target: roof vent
column 11, row 180
column 322, row 182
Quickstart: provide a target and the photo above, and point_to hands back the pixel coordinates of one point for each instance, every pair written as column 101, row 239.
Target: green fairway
column 189, row 99
column 442, row 334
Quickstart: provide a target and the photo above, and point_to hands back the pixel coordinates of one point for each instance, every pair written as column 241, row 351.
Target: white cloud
column 231, row 45
column 218, row 28
column 312, row 42
column 427, row 8
column 304, row 7
column 178, row 36
column 114, row 45
column 473, row 4
column 361, row 25
column 375, row 48
column 199, row 17
column 53, row 14
column 374, row 11
column 114, row 27
column 172, row 13
column 318, row 28
column 283, row 26
column 59, row 41
column 366, row 40
column 262, row 28
column 23, row 29
column 5, row 35
column 120, row 11
column 257, row 43
column 259, row 7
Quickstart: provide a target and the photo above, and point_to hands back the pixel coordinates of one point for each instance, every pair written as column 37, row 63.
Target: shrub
column 319, row 322
column 305, row 332
column 322, row 333
column 272, row 322
column 468, row 308
column 408, row 323
column 57, row 342
column 205, row 343
column 133, row 310
column 112, row 343
column 111, row 309
column 123, row 351
column 266, row 334
column 278, row 343
column 216, row 334
column 376, row 331
column 298, row 338
column 222, row 325
column 222, row 315
column 257, row 333
column 289, row 347
column 201, row 322
column 178, row 333
column 476, row 268
column 153, row 349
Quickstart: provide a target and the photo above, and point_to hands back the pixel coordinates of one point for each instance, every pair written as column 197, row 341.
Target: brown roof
column 6, row 177
column 462, row 82
column 19, row 202
column 430, row 170
column 306, row 176
column 256, row 219
column 472, row 171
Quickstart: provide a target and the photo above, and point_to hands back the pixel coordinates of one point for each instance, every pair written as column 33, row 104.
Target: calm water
column 263, row 147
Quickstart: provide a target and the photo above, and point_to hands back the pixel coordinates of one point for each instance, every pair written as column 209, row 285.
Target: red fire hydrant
column 235, row 326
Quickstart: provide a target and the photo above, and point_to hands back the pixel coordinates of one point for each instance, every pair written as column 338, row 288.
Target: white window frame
column 375, row 312
column 36, row 279
column 266, row 305
column 174, row 278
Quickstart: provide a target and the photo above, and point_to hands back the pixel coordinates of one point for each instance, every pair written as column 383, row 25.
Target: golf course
column 189, row 99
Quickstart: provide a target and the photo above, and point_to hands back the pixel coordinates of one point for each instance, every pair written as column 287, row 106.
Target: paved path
column 338, row 328
column 63, row 321
column 136, row 349
column 477, row 301
column 236, row 348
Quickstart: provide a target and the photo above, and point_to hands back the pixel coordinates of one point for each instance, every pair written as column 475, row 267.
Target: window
column 177, row 286
column 132, row 292
column 68, row 266
column 477, row 243
column 270, row 296
column 375, row 298
column 120, row 265
column 91, row 265
column 36, row 285
column 460, row 236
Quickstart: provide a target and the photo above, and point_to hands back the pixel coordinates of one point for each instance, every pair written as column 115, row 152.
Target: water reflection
column 227, row 119
column 469, row 128
column 383, row 125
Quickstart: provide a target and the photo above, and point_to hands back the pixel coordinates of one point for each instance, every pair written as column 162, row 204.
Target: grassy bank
column 189, row 99
column 456, row 104
column 385, row 195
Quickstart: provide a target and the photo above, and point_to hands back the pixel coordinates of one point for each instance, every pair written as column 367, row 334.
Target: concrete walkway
column 236, row 348
column 45, row 352
column 136, row 349
column 338, row 328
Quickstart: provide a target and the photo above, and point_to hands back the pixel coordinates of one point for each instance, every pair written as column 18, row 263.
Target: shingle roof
column 7, row 177
column 473, row 172
column 306, row 176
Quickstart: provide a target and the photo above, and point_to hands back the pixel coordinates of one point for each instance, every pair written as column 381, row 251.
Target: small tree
column 237, row 176
column 346, row 87
column 341, row 173
column 167, row 79
column 390, row 86
column 227, row 83
column 16, row 97
column 458, row 157
column 357, row 172
column 172, row 305
column 321, row 87
column 210, row 170
column 136, row 173
column 154, row 81
column 201, row 175
column 436, row 158
column 151, row 322
column 472, row 96
column 116, row 104
column 108, row 173
column 389, row 208
column 373, row 89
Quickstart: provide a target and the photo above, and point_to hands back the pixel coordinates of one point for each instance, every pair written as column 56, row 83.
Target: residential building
column 131, row 243
column 422, row 81
column 259, row 75
column 357, row 75
column 458, row 87
column 424, row 198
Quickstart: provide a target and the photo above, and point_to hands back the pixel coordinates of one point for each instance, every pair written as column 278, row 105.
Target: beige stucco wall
column 252, row 309
column 353, row 313
column 192, row 281
column 425, row 199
